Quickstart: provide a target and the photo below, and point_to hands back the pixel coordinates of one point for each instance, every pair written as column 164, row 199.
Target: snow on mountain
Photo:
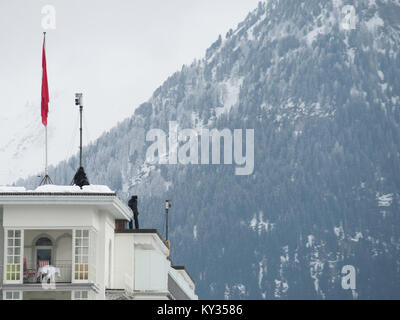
column 22, row 143
column 21, row 135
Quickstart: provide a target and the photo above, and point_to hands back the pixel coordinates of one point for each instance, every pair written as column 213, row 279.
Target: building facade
column 77, row 235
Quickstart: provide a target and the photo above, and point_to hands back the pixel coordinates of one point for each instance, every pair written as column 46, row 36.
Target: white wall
column 1, row 245
column 105, row 235
column 151, row 270
column 50, row 216
column 140, row 263
column 109, row 252
column 64, row 249
column 123, row 261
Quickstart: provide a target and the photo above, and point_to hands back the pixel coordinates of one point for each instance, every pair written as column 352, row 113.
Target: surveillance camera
column 78, row 99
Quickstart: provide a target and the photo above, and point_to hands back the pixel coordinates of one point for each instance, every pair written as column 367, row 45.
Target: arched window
column 44, row 242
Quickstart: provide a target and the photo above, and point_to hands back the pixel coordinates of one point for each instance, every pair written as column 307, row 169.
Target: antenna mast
column 80, row 178
column 78, row 101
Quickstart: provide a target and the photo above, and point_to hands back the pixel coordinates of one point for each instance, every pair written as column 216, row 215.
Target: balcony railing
column 31, row 275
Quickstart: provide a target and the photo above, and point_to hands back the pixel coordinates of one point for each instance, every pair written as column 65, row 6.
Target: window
column 12, row 295
column 44, row 242
column 13, row 255
column 81, row 295
column 81, row 255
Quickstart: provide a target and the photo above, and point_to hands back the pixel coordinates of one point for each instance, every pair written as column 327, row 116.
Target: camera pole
column 80, row 129
column 78, row 102
column 168, row 204
column 80, row 179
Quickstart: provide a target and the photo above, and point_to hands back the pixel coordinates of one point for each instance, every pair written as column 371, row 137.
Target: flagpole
column 46, row 179
column 46, row 170
column 46, row 165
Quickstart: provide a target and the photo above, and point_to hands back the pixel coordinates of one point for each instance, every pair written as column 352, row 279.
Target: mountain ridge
column 323, row 99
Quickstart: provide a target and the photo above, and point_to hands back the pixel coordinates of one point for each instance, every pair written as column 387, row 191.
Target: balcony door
column 44, row 255
column 44, row 252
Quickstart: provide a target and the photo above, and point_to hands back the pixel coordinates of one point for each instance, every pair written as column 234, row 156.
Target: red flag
column 45, row 87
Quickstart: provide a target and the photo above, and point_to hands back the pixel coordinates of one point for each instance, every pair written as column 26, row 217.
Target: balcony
column 47, row 247
column 32, row 254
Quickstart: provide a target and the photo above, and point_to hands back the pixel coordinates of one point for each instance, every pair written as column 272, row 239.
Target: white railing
column 31, row 275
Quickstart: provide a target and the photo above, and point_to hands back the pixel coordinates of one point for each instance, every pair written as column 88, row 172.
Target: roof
column 184, row 269
column 100, row 196
column 32, row 193
column 137, row 231
column 51, row 188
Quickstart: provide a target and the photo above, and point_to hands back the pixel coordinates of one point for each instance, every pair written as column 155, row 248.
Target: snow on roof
column 12, row 189
column 58, row 189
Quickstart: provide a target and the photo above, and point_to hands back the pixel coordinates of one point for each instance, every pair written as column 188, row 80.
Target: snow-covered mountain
column 17, row 140
column 319, row 83
column 22, row 143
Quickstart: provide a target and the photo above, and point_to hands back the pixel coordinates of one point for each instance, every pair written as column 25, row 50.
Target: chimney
column 120, row 225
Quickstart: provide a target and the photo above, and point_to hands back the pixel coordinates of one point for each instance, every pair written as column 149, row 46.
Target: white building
column 78, row 232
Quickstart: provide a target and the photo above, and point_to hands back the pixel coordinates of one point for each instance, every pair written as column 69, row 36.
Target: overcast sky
column 115, row 52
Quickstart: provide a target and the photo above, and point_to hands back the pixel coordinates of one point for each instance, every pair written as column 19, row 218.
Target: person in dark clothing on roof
column 133, row 205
